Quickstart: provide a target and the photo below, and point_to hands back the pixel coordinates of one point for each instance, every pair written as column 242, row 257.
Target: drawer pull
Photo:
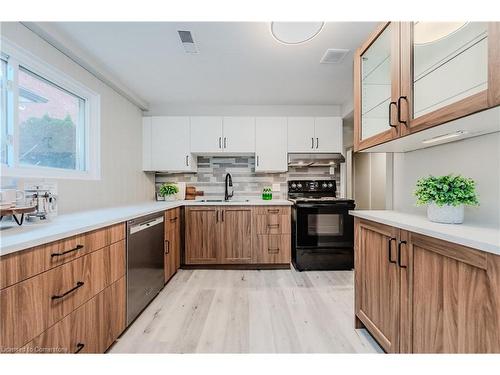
column 78, row 247
column 79, row 347
column 273, row 225
column 273, row 211
column 174, row 219
column 78, row 285
column 167, row 247
column 273, row 251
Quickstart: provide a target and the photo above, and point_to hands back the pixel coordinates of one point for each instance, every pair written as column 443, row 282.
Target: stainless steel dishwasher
column 145, row 274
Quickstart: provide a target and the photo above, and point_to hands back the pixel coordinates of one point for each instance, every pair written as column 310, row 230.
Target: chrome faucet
column 228, row 183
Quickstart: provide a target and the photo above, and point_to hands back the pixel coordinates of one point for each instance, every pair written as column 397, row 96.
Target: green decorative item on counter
column 267, row 194
column 446, row 197
column 168, row 190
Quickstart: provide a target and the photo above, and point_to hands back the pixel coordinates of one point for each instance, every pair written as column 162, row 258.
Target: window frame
column 17, row 57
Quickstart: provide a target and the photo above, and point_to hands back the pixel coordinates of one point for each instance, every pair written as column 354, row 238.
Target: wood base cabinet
column 239, row 235
column 76, row 304
column 172, row 242
column 418, row 294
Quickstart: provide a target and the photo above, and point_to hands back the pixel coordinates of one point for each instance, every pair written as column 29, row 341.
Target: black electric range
column 322, row 229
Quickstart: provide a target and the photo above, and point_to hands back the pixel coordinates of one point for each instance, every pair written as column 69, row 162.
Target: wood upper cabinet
column 377, row 87
column 202, row 235
column 172, row 242
column 410, row 76
column 236, row 235
column 377, row 282
column 448, row 70
column 433, row 297
column 450, row 298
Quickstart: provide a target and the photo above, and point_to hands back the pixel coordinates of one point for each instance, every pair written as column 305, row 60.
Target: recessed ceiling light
column 295, row 32
column 430, row 32
column 458, row 133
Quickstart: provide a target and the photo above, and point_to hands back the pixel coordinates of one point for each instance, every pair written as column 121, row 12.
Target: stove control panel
column 305, row 186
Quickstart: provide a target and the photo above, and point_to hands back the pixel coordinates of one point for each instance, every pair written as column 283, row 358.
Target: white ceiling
column 237, row 63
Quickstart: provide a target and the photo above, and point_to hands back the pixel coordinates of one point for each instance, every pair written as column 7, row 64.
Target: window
column 50, row 123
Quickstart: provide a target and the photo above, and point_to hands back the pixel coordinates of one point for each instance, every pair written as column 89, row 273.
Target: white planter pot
column 170, row 198
column 445, row 214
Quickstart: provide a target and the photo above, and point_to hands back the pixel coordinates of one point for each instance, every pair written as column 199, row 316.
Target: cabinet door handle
column 222, row 214
column 390, row 113
column 78, row 247
column 225, row 142
column 187, row 160
column 275, row 211
column 312, row 142
column 217, row 216
column 167, row 247
column 273, row 251
column 220, row 142
column 79, row 284
column 389, row 249
column 174, row 219
column 273, row 225
column 317, row 142
column 399, row 253
column 79, row 347
column 399, row 109
column 257, row 160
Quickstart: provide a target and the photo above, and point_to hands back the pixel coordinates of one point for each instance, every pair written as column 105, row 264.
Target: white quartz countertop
column 468, row 234
column 15, row 238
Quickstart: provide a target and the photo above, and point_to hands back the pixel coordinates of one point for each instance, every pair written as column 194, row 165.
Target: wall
column 122, row 181
column 371, row 180
column 242, row 110
column 246, row 183
column 478, row 158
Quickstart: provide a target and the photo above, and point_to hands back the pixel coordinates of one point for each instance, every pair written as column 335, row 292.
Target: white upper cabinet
column 206, row 134
column 271, row 144
column 314, row 134
column 301, row 134
column 170, row 150
column 238, row 134
column 328, row 134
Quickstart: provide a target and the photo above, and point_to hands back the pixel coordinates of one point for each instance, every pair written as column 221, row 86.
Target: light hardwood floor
column 268, row 311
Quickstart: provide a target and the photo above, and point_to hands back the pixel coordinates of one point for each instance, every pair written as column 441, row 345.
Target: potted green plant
column 168, row 191
column 446, row 196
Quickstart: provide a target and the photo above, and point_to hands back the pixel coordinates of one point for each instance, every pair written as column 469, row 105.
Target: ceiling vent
column 333, row 56
column 187, row 41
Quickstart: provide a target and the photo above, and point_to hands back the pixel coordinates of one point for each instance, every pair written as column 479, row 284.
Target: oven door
column 324, row 225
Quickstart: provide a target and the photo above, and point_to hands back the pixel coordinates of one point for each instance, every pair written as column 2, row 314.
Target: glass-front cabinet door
column 376, row 87
column 444, row 72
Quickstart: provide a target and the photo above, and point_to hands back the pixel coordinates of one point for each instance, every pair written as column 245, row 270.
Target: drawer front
column 91, row 328
column 22, row 265
column 274, row 249
column 30, row 307
column 272, row 210
column 272, row 224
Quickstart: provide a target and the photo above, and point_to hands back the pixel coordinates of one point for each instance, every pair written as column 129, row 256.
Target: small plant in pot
column 445, row 197
column 168, row 191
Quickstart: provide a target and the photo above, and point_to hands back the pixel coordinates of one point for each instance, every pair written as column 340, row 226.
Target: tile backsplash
column 246, row 182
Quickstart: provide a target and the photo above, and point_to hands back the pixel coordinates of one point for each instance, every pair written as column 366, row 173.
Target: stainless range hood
column 314, row 160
